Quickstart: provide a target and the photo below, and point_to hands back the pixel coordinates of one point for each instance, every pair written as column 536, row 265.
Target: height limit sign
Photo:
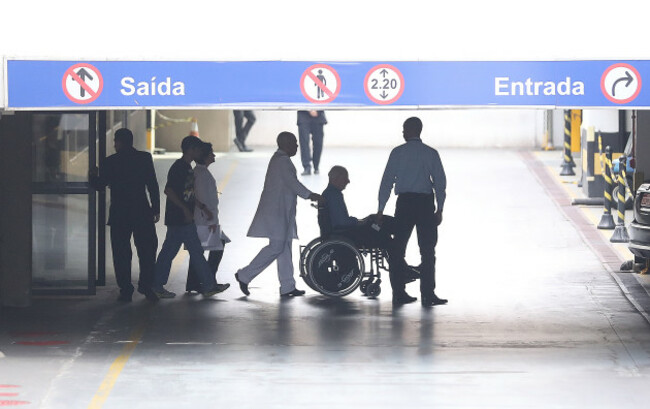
column 384, row 84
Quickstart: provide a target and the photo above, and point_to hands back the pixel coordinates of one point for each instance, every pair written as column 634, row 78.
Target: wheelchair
column 334, row 266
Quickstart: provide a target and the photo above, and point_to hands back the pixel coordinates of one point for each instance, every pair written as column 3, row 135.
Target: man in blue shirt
column 416, row 171
column 363, row 232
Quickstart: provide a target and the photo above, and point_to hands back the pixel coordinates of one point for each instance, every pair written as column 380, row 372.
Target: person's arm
column 173, row 197
column 439, row 184
column 290, row 179
column 203, row 193
column 98, row 178
column 153, row 188
column 387, row 182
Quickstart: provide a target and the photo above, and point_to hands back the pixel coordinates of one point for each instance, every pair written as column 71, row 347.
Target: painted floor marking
column 118, row 365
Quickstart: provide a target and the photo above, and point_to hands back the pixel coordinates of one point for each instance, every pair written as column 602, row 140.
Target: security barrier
column 620, row 232
column 607, row 221
column 593, row 167
column 568, row 164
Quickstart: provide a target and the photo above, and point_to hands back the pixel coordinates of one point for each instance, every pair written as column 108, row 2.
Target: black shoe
column 404, row 298
column 306, row 172
column 239, row 145
column 125, row 297
column 222, row 287
column 247, row 149
column 242, row 286
column 148, row 294
column 316, row 172
column 432, row 300
column 295, row 293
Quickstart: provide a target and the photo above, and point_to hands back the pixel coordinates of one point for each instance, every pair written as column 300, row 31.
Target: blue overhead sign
column 34, row 84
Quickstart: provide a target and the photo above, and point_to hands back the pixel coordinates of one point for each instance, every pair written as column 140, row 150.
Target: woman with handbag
column 206, row 218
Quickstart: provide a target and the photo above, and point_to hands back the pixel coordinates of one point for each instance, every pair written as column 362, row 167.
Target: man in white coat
column 275, row 218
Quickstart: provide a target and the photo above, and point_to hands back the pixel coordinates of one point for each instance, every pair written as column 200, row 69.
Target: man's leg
column 264, row 258
column 193, row 244
column 285, row 269
column 122, row 254
column 239, row 122
column 250, row 121
column 317, row 138
column 403, row 227
column 427, row 231
column 170, row 247
column 303, row 136
column 146, row 244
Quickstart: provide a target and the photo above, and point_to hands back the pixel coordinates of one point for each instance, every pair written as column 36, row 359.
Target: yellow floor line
column 116, row 368
column 621, row 249
column 118, row 365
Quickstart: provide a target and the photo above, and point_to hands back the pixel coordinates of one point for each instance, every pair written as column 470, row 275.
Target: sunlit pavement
column 534, row 319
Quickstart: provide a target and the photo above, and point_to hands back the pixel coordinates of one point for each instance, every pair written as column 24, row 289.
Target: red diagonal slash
column 320, row 84
column 82, row 83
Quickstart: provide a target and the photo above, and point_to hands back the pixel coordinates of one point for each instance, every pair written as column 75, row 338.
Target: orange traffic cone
column 194, row 127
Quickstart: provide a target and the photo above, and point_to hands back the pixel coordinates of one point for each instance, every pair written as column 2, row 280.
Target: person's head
column 339, row 177
column 191, row 147
column 206, row 154
column 412, row 128
column 288, row 143
column 123, row 139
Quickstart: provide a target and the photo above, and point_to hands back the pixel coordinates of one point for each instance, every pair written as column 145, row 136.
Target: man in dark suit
column 129, row 173
column 310, row 123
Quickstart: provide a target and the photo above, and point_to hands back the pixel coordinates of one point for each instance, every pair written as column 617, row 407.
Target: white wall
column 442, row 128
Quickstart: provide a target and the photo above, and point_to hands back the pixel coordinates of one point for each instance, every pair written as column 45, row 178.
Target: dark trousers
column 316, row 132
column 365, row 235
column 146, row 244
column 193, row 282
column 241, row 130
column 417, row 210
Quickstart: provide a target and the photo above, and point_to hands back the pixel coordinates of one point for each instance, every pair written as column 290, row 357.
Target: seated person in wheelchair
column 364, row 232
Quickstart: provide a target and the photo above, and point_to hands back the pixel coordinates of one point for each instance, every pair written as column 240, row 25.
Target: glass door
column 63, row 204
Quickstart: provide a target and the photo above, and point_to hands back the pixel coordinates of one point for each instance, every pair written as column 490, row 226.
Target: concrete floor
column 534, row 319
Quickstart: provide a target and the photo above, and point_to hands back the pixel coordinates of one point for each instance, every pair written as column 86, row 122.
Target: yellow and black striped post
column 567, row 163
column 620, row 232
column 607, row 221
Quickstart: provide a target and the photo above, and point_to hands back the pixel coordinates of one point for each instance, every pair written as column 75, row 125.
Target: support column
column 15, row 210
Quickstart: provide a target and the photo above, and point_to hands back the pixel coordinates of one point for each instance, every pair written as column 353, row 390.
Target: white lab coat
column 276, row 213
column 205, row 191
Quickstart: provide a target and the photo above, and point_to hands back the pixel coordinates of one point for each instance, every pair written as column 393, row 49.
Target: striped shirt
column 413, row 167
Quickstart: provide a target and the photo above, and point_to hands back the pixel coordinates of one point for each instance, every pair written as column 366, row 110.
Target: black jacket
column 128, row 174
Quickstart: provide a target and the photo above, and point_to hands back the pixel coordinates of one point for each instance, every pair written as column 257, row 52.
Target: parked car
column 639, row 230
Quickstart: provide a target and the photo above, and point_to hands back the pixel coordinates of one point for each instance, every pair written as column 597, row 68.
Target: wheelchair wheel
column 364, row 286
column 334, row 267
column 373, row 290
column 304, row 256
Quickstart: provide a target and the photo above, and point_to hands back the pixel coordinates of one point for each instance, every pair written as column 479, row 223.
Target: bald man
column 275, row 219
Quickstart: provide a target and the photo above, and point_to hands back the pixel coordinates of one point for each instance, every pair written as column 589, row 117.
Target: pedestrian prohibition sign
column 320, row 84
column 82, row 83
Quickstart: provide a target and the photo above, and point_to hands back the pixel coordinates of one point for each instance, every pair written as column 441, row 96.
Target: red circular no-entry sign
column 82, row 83
column 320, row 84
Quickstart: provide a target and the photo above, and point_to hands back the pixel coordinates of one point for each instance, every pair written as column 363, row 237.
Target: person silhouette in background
column 208, row 228
column 130, row 174
column 241, row 130
column 311, row 123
